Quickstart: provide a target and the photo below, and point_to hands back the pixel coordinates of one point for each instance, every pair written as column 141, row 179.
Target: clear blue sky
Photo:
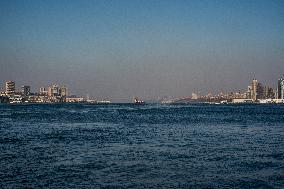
column 148, row 48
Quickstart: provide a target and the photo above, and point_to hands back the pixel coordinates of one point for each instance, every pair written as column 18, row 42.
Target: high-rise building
column 63, row 91
column 254, row 89
column 53, row 90
column 25, row 90
column 280, row 88
column 268, row 92
column 249, row 96
column 49, row 92
column 10, row 87
column 259, row 91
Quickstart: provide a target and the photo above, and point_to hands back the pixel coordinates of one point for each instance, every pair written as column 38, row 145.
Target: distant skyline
column 148, row 48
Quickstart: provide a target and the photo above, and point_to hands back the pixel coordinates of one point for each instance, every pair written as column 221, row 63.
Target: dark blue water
column 141, row 146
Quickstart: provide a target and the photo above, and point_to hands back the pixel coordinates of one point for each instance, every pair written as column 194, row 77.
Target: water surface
column 141, row 146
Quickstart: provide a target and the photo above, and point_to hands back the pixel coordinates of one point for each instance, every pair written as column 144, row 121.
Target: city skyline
column 257, row 92
column 122, row 49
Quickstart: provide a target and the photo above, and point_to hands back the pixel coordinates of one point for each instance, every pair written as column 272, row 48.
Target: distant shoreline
column 145, row 104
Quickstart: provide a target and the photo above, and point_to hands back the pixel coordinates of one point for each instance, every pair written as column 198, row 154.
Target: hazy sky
column 148, row 48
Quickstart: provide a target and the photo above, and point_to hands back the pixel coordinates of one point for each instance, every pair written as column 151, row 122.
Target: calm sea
column 141, row 146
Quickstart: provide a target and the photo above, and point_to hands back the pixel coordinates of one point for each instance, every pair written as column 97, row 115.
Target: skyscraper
column 63, row 91
column 259, row 91
column 249, row 92
column 25, row 90
column 280, row 89
column 10, row 87
column 254, row 89
column 268, row 92
column 53, row 90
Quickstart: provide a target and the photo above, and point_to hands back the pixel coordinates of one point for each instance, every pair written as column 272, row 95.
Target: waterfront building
column 280, row 89
column 254, row 89
column 2, row 93
column 242, row 100
column 42, row 91
column 10, row 88
column 25, row 90
column 74, row 99
column 53, row 90
column 194, row 96
column 4, row 99
column 248, row 95
column 259, row 91
column 268, row 92
column 63, row 91
column 16, row 99
column 49, row 93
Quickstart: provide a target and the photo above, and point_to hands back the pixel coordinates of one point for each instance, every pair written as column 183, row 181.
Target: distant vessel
column 138, row 101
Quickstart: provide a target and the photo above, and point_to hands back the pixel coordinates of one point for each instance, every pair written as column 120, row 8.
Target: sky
column 118, row 49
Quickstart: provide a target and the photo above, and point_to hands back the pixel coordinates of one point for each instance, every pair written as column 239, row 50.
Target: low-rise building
column 16, row 99
column 238, row 100
column 75, row 99
column 4, row 99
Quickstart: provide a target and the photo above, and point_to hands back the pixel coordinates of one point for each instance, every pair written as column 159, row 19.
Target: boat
column 138, row 101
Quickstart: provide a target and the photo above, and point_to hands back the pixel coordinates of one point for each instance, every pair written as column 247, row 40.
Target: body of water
column 141, row 146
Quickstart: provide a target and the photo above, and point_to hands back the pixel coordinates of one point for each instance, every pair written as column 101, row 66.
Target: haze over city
column 121, row 49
